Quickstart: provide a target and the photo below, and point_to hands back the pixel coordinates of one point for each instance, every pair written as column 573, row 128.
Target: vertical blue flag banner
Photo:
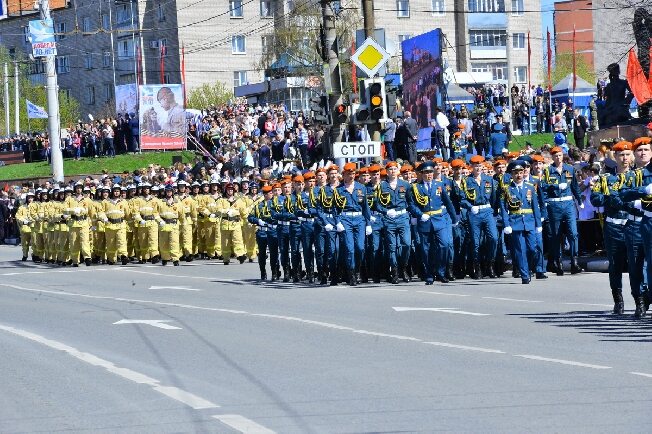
column 41, row 35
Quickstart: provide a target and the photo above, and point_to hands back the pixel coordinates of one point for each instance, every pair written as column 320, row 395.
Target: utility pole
column 6, row 92
column 16, row 96
column 508, row 53
column 54, row 125
column 369, row 27
column 330, row 53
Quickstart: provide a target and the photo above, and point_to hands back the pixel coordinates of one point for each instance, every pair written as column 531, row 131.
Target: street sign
column 370, row 57
column 41, row 35
column 356, row 149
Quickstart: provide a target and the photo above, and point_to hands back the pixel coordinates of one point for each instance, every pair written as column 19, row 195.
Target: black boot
column 334, row 280
column 296, row 276
column 619, row 303
column 575, row 267
column 477, row 271
column 155, row 259
column 242, row 259
column 164, row 262
column 393, row 277
column 125, row 260
column 263, row 273
column 351, row 278
column 516, row 273
column 87, row 261
column 559, row 267
column 640, row 307
column 541, row 276
column 405, row 277
column 492, row 272
column 286, row 275
column 323, row 278
column 311, row 277
column 274, row 275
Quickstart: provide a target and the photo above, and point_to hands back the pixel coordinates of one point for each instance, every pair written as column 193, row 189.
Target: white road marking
column 444, row 293
column 215, row 279
column 160, row 323
column 512, row 299
column 175, row 393
column 187, row 398
column 242, row 424
column 184, row 288
column 642, row 374
column 563, row 362
column 439, row 309
column 465, row 347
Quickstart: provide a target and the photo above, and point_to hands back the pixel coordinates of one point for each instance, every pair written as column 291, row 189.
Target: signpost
column 356, row 149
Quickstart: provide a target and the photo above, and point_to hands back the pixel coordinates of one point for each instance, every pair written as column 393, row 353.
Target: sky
column 546, row 18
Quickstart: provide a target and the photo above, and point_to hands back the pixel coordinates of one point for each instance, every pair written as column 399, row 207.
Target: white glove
column 638, row 204
column 562, row 186
column 25, row 222
column 339, row 227
column 260, row 222
column 425, row 217
column 475, row 210
column 367, row 230
column 93, row 228
column 456, row 224
column 373, row 219
column 507, row 230
column 539, row 230
column 212, row 216
column 142, row 223
column 542, row 219
column 77, row 210
column 391, row 213
column 105, row 220
column 231, row 212
column 582, row 205
column 328, row 227
column 161, row 223
column 648, row 189
column 413, row 221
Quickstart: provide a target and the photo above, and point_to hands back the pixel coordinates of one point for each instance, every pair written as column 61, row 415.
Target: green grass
column 518, row 142
column 92, row 166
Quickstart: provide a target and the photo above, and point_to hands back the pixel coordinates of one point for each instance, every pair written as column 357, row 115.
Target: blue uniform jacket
column 605, row 194
column 435, row 203
column 551, row 179
column 483, row 193
column 389, row 198
column 325, row 203
column 536, row 181
column 643, row 177
column 520, row 210
column 356, row 201
column 279, row 209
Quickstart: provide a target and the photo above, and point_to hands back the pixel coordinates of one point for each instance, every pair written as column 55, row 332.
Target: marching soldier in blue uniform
column 325, row 210
column 392, row 204
column 536, row 181
column 520, row 211
column 461, row 231
column 283, row 217
column 561, row 190
column 481, row 199
column 375, row 252
column 261, row 217
column 352, row 221
column 292, row 205
column 427, row 202
column 604, row 193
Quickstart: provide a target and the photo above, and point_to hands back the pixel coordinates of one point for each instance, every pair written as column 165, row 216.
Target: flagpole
column 549, row 55
column 574, row 67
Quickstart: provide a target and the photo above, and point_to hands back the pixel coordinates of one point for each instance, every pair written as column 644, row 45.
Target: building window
column 239, row 78
column 125, row 48
column 108, row 92
column 123, row 14
column 166, row 78
column 106, row 59
column 90, row 95
column 517, row 7
column 238, row 44
column 61, row 31
column 403, row 8
column 498, row 70
column 520, row 74
column 63, row 65
column 518, row 41
column 160, row 11
column 26, row 33
column 163, row 47
column 488, row 38
column 267, row 43
column 266, row 9
column 37, row 67
column 106, row 22
column 289, row 6
column 235, row 8
column 486, row 6
column 438, row 7
column 88, row 60
column 65, row 94
column 86, row 24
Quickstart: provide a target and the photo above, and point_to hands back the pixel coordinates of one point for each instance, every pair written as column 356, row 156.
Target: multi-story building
column 574, row 17
column 103, row 43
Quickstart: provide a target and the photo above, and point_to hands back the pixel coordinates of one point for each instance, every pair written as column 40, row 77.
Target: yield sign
column 370, row 57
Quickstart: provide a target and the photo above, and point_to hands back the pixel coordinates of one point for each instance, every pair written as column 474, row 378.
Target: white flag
column 35, row 112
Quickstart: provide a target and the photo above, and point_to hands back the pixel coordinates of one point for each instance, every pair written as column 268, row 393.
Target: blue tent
column 581, row 97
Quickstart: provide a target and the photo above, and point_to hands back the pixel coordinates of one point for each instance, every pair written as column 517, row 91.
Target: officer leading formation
column 437, row 221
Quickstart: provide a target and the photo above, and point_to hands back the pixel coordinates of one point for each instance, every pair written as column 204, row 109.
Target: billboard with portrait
column 162, row 117
column 423, row 84
column 126, row 99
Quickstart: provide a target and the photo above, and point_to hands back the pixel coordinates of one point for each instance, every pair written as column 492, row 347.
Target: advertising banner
column 41, row 35
column 162, row 117
column 126, row 99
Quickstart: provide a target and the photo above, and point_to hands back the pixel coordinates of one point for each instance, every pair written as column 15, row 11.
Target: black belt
column 188, row 214
column 231, row 219
column 170, row 221
column 148, row 217
column 79, row 218
column 116, row 221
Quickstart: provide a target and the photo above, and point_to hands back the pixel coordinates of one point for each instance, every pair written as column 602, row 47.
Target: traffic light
column 376, row 98
column 341, row 113
column 319, row 109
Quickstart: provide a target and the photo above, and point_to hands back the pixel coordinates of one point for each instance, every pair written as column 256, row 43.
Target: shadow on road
column 610, row 327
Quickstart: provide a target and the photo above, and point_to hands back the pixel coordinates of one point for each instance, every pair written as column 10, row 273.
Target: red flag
column 529, row 55
column 139, row 71
column 549, row 63
column 163, row 51
column 639, row 85
column 183, row 74
column 574, row 62
column 354, row 76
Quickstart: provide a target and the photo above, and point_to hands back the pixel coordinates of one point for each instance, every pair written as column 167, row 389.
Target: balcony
column 478, row 20
column 495, row 52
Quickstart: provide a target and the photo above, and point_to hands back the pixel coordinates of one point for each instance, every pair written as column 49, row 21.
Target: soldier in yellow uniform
column 232, row 211
column 188, row 223
column 215, row 221
column 25, row 223
column 195, row 194
column 52, row 220
column 171, row 217
column 205, row 228
column 132, row 239
column 76, row 208
column 99, row 235
column 63, row 246
column 38, row 211
column 146, row 215
column 114, row 212
column 248, row 230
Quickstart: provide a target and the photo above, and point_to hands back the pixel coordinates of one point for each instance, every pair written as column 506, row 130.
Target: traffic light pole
column 369, row 24
column 330, row 53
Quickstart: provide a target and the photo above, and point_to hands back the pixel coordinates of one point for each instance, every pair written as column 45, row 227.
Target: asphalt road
column 219, row 352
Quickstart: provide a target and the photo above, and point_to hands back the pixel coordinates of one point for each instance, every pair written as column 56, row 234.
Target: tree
column 564, row 66
column 35, row 93
column 209, row 95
